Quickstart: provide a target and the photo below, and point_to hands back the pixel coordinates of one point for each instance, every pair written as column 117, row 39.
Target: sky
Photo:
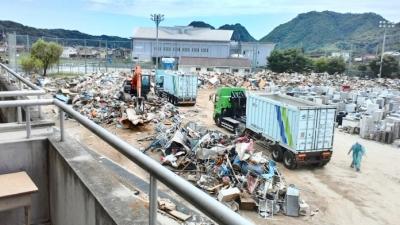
column 121, row 17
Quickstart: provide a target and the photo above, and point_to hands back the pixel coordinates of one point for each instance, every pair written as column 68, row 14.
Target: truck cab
column 229, row 107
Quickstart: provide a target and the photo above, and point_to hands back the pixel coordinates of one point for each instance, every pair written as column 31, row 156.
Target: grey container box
column 291, row 205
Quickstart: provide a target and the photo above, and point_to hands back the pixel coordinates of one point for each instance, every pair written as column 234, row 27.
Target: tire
column 277, row 153
column 322, row 164
column 289, row 160
column 217, row 120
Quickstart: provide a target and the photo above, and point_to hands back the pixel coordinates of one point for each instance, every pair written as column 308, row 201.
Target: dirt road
column 336, row 193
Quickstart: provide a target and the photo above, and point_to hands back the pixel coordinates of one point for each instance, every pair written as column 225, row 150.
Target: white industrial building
column 187, row 41
column 175, row 42
column 220, row 65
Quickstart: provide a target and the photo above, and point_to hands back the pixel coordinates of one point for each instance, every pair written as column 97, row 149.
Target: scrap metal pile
column 98, row 97
column 225, row 166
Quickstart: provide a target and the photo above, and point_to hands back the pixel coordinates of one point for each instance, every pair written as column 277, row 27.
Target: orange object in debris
column 136, row 81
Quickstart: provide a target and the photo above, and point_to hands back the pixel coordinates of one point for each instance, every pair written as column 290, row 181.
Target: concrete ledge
column 6, row 127
column 117, row 200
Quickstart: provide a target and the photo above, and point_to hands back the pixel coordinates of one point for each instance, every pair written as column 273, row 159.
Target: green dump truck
column 299, row 131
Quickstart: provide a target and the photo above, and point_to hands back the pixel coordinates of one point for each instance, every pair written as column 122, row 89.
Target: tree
column 290, row 60
column 362, row 68
column 389, row 66
column 30, row 64
column 335, row 65
column 320, row 65
column 47, row 52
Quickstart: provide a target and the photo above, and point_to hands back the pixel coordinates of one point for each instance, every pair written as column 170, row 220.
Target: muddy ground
column 336, row 193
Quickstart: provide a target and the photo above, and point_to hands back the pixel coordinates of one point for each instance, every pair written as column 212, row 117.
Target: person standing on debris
column 358, row 152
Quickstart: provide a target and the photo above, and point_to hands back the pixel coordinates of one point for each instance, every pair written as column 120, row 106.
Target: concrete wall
column 70, row 200
column 192, row 69
column 8, row 115
column 74, row 188
column 30, row 156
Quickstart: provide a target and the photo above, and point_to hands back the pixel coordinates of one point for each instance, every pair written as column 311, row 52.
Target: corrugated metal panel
column 299, row 129
column 181, row 86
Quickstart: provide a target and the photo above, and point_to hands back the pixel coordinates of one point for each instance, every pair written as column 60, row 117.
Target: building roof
column 214, row 62
column 186, row 33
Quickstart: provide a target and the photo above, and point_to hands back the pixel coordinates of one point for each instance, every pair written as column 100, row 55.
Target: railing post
column 39, row 108
column 62, row 118
column 19, row 113
column 28, row 122
column 153, row 196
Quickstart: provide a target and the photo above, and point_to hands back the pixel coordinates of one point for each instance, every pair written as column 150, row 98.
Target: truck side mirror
column 212, row 98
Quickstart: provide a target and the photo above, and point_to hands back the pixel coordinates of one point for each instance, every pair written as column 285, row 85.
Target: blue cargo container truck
column 299, row 131
column 180, row 88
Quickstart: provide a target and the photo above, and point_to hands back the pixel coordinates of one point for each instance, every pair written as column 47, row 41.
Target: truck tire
column 289, row 160
column 277, row 153
column 217, row 120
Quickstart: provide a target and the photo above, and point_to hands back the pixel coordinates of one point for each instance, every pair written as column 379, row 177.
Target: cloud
column 191, row 8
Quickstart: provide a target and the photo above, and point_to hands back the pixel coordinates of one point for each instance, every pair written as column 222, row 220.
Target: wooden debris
column 228, row 195
column 247, row 203
column 179, row 215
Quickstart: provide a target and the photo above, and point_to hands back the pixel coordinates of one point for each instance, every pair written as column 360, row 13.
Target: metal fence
column 79, row 55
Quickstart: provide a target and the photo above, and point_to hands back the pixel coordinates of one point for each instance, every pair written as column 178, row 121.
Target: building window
column 198, row 69
column 235, row 70
column 244, row 52
column 247, row 70
column 185, row 49
column 204, row 50
column 210, row 69
column 195, row 49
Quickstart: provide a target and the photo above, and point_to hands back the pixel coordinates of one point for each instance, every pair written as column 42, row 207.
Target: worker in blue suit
column 358, row 153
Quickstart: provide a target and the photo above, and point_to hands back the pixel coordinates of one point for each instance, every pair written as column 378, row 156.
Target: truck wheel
column 217, row 120
column 277, row 153
column 289, row 160
column 322, row 164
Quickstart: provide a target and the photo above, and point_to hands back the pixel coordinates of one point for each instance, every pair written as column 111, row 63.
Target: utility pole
column 384, row 25
column 157, row 18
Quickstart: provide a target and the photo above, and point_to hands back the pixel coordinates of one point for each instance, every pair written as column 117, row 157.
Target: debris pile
column 226, row 166
column 368, row 107
column 293, row 82
column 98, row 97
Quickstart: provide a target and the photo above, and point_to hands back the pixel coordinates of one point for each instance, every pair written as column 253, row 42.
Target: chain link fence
column 80, row 56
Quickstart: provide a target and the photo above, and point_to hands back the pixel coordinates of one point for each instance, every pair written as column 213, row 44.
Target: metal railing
column 201, row 200
column 205, row 203
column 10, row 74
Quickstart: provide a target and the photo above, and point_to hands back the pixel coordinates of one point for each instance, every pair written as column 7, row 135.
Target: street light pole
column 157, row 18
column 384, row 25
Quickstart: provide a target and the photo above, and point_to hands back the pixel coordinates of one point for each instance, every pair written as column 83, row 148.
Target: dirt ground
column 336, row 193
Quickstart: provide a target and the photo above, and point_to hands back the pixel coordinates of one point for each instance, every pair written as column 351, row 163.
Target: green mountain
column 201, row 24
column 240, row 33
column 322, row 31
column 53, row 34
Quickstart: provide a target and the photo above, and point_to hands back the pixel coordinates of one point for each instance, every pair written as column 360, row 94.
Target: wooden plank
column 180, row 215
column 15, row 184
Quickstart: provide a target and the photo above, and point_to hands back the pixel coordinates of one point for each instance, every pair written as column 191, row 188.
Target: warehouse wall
column 145, row 50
